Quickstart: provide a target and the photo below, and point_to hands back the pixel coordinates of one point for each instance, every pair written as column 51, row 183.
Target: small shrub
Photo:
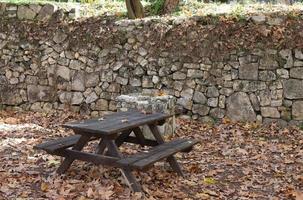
column 157, row 7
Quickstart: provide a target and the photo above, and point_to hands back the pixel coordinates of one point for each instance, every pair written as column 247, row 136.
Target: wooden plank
column 126, row 171
column 59, row 143
column 121, row 138
column 84, row 139
column 171, row 159
column 90, row 157
column 170, row 150
column 152, row 151
column 111, row 125
column 139, row 135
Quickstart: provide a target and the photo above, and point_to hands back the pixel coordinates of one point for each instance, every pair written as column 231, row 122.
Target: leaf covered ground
column 233, row 161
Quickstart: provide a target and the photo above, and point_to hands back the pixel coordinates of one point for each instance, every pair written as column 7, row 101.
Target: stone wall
column 212, row 68
column 40, row 12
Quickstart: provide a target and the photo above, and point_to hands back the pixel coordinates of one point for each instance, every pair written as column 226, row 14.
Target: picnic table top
column 116, row 122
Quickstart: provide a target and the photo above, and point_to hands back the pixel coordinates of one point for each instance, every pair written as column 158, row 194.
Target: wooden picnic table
column 112, row 131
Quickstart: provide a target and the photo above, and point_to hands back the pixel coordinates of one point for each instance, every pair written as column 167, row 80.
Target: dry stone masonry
column 40, row 12
column 60, row 71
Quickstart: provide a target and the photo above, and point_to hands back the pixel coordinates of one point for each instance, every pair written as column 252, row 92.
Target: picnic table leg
column 126, row 171
column 101, row 147
column 171, row 159
column 83, row 140
column 120, row 140
column 139, row 135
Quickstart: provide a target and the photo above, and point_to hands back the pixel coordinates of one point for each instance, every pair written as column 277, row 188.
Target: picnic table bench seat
column 144, row 160
column 55, row 145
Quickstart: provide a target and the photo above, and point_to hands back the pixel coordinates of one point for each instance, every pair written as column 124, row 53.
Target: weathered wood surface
column 59, row 143
column 144, row 160
column 117, row 122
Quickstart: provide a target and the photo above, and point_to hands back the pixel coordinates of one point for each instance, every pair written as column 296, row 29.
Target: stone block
column 39, row 93
column 270, row 112
column 296, row 72
column 24, row 12
column 239, row 107
column 248, row 71
column 297, row 110
column 293, row 89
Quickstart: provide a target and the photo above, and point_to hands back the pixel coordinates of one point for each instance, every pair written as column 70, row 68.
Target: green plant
column 301, row 126
column 156, row 7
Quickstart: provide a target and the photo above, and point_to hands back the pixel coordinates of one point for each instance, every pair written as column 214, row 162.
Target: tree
column 134, row 9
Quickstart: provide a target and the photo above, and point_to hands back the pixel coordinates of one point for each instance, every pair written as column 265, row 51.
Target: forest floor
column 233, row 161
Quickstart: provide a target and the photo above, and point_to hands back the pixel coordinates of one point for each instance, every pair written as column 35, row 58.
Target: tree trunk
column 170, row 6
column 134, row 9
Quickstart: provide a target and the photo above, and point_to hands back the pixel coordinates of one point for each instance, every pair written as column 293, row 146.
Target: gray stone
column 156, row 79
column 298, row 54
column 39, row 93
column 298, row 63
column 275, row 21
column 287, row 55
column 63, row 72
column 187, row 93
column 142, row 61
column 135, row 82
column 142, row 51
column 191, row 66
column 117, row 66
column 25, row 12
column 185, row 102
column 8, row 97
column 259, row 19
column 59, row 37
column 92, row 80
column 194, row 73
column 283, row 73
column 226, row 91
column 199, row 97
column 200, row 109
column 212, row 102
column 91, row 98
column 268, row 62
column 248, row 71
column 76, row 64
column 297, row 110
column 179, row 76
column 239, row 108
column 78, row 81
column 65, row 97
column 222, row 100
column 267, row 76
column 296, row 72
column 101, row 104
column 293, row 89
column 255, row 102
column 280, row 123
column 270, row 112
column 147, row 82
column 265, row 97
column 212, row 92
column 46, row 12
column 77, row 98
column 138, row 71
column 217, row 113
column 121, row 80
column 248, row 86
